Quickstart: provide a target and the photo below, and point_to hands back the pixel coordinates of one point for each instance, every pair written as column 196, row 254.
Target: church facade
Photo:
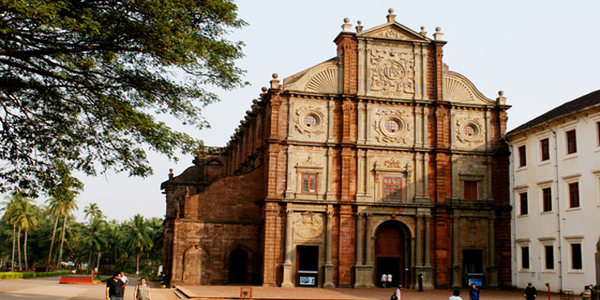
column 378, row 161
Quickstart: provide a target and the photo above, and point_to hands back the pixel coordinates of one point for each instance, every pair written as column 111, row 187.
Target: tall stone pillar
column 361, row 271
column 367, row 269
column 287, row 264
column 328, row 268
column 456, row 268
column 423, row 257
column 492, row 272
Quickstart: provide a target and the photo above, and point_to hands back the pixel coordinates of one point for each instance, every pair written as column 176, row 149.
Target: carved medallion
column 391, row 72
column 308, row 120
column 308, row 226
column 469, row 131
column 391, row 126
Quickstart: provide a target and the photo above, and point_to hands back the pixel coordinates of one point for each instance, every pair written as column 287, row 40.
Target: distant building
column 555, row 180
column 377, row 161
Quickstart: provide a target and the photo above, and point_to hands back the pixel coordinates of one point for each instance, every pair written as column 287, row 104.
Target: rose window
column 469, row 130
column 392, row 126
column 310, row 120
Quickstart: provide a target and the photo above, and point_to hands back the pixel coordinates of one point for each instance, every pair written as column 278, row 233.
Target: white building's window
column 524, row 257
column 571, row 142
column 574, row 195
column 545, row 149
column 549, row 257
column 522, row 156
column 547, row 199
column 576, row 257
column 524, row 207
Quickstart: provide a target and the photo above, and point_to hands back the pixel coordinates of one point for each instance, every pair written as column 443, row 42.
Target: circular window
column 310, row 120
column 392, row 126
column 470, row 130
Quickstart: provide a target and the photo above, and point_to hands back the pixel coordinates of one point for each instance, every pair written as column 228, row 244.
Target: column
column 456, row 269
column 329, row 193
column 360, row 270
column 423, row 266
column 364, row 276
column 492, row 271
column 328, row 268
column 287, row 264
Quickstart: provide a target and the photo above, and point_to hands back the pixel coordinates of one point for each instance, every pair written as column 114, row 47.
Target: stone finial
column 171, row 173
column 359, row 27
column 391, row 17
column 346, row 27
column 438, row 35
column 423, row 32
column 275, row 81
column 501, row 100
column 263, row 91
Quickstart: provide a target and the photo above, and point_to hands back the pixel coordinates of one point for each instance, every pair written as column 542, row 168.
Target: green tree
column 139, row 236
column 10, row 207
column 93, row 212
column 66, row 207
column 82, row 82
column 26, row 217
column 93, row 237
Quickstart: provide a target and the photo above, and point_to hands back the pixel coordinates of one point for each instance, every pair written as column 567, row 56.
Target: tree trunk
column 98, row 263
column 52, row 243
column 12, row 258
column 137, row 264
column 89, row 266
column 62, row 241
column 19, row 247
column 25, row 250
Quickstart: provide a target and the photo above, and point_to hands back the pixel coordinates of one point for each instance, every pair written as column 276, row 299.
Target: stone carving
column 392, row 163
column 458, row 88
column 308, row 226
column 469, row 131
column 391, row 72
column 308, row 120
column 391, row 126
column 324, row 82
column 391, row 33
column 309, row 163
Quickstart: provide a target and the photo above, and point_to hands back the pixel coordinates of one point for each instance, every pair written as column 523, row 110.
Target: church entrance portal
column 238, row 266
column 307, row 265
column 392, row 246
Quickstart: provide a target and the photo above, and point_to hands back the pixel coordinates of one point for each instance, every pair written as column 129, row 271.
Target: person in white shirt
column 125, row 281
column 384, row 280
column 455, row 295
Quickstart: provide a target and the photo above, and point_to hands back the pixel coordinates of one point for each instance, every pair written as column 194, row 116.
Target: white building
column 555, row 194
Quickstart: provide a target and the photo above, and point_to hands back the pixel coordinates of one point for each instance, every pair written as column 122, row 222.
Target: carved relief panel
column 308, row 227
column 308, row 120
column 391, row 125
column 390, row 179
column 390, row 71
column 469, row 131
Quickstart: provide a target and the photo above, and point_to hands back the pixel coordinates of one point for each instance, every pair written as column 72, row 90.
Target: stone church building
column 377, row 161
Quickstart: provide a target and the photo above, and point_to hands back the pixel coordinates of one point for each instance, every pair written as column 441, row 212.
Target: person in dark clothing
column 474, row 292
column 420, row 282
column 530, row 292
column 114, row 287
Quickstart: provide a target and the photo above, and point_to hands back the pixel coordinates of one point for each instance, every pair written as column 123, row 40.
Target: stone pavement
column 48, row 288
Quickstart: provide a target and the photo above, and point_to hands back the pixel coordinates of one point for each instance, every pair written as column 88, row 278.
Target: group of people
column 590, row 292
column 474, row 293
column 386, row 280
column 115, row 288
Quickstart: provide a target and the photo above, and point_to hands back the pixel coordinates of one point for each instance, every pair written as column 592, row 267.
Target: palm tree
column 94, row 239
column 66, row 206
column 93, row 212
column 26, row 217
column 54, row 208
column 139, row 238
column 10, row 206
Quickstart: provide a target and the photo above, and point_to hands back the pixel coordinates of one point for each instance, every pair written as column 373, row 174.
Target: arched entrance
column 392, row 253
column 238, row 266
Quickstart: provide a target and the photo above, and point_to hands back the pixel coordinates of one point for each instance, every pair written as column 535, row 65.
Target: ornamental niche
column 308, row 121
column 391, row 72
column 469, row 131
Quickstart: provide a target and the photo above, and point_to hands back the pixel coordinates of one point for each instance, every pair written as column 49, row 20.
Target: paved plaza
column 49, row 289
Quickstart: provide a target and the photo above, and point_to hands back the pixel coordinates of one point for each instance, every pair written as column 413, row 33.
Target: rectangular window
column 545, row 147
column 549, row 257
column 524, row 257
column 470, row 190
column 574, row 194
column 576, row 263
column 571, row 142
column 522, row 156
column 392, row 189
column 598, row 132
column 547, row 195
column 309, row 183
column 523, row 203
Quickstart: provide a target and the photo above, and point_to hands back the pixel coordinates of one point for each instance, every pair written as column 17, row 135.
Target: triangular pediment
column 394, row 31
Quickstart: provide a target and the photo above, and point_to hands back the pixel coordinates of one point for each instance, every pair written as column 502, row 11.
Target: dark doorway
column 391, row 250
column 238, row 265
column 307, row 265
column 473, row 261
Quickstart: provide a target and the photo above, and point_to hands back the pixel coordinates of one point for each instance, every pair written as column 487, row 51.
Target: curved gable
column 322, row 78
column 457, row 88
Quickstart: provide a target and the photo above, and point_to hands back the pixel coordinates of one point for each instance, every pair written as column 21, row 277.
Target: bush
column 20, row 275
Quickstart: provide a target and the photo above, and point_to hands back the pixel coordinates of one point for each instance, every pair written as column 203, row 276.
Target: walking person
column 455, row 295
column 397, row 295
column 530, row 292
column 389, row 280
column 420, row 282
column 114, row 288
column 384, row 280
column 474, row 292
column 125, row 281
column 587, row 293
column 595, row 292
column 142, row 291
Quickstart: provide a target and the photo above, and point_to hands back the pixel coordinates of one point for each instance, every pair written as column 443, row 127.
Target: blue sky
column 540, row 53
